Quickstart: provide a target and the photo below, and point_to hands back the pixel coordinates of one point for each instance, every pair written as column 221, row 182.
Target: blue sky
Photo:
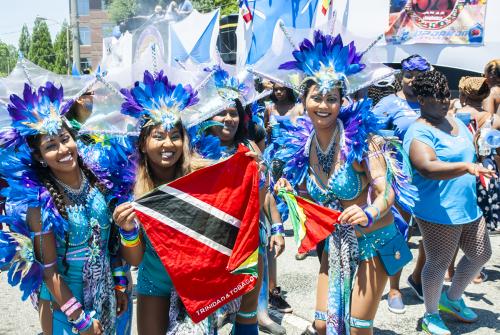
column 14, row 13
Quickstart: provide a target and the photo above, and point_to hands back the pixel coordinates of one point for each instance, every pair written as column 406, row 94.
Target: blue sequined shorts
column 368, row 243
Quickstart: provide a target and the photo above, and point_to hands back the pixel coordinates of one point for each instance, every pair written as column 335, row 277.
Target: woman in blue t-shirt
column 443, row 158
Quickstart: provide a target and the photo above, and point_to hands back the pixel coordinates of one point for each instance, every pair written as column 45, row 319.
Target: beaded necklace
column 327, row 157
column 78, row 196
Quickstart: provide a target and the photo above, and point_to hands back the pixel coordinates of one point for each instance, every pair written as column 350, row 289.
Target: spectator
column 442, row 154
column 399, row 111
column 492, row 75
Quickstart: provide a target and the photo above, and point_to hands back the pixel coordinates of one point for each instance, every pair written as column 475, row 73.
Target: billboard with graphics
column 436, row 21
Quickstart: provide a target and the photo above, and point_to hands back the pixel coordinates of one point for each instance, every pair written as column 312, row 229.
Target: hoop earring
column 44, row 164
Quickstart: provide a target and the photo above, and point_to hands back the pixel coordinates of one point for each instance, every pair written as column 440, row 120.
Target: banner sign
column 436, row 22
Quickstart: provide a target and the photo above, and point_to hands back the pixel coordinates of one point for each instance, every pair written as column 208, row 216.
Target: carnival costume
column 82, row 235
column 218, row 92
column 330, row 64
column 157, row 101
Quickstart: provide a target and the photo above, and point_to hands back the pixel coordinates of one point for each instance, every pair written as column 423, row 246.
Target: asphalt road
column 298, row 279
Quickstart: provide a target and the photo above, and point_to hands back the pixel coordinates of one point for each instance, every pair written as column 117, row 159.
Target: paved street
column 298, row 279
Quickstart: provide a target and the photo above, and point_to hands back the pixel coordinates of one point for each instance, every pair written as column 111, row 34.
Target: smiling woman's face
column 230, row 119
column 323, row 109
column 59, row 152
column 163, row 148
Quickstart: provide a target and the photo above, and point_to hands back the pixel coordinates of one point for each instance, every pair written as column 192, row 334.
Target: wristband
column 72, row 309
column 120, row 279
column 131, row 238
column 370, row 219
column 83, row 322
column 277, row 229
column 68, row 304
column 378, row 211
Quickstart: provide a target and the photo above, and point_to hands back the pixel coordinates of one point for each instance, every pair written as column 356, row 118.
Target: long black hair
column 45, row 176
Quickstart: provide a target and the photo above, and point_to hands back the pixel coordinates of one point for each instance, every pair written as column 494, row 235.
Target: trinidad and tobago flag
column 205, row 229
column 311, row 223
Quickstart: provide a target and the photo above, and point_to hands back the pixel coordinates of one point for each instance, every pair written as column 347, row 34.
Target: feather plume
column 38, row 112
column 16, row 251
column 326, row 60
column 155, row 100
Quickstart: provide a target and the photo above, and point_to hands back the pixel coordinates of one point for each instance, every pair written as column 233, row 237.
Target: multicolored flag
column 205, row 229
column 246, row 14
column 311, row 223
column 324, row 6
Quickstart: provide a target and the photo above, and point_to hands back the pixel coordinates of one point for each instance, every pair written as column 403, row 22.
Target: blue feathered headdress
column 155, row 100
column 227, row 86
column 218, row 91
column 38, row 112
column 326, row 60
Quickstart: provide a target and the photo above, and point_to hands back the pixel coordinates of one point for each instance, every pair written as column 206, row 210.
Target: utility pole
column 76, row 33
column 68, row 53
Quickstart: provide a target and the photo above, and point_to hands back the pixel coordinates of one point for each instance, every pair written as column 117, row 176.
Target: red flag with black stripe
column 205, row 229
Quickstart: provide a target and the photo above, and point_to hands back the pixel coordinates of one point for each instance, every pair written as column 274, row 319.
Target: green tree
column 8, row 58
column 25, row 41
column 227, row 6
column 41, row 51
column 61, row 64
column 120, row 10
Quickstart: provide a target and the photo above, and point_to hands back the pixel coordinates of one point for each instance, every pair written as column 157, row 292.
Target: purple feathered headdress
column 155, row 100
column 326, row 60
column 38, row 112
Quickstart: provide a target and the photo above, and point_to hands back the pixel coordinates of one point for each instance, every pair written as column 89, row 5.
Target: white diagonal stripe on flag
column 201, row 205
column 183, row 229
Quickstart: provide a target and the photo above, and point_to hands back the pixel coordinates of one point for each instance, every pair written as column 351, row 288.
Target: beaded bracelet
column 277, row 229
column 131, row 238
column 120, row 279
column 370, row 219
column 375, row 208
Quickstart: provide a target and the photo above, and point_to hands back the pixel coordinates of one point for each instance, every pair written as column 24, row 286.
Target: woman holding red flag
column 163, row 156
column 216, row 130
column 334, row 158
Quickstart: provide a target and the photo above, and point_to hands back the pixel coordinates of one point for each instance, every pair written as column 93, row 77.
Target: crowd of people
column 388, row 155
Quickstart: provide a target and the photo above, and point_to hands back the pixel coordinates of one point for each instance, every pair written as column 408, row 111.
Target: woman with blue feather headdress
column 217, row 128
column 334, row 157
column 57, row 214
column 163, row 155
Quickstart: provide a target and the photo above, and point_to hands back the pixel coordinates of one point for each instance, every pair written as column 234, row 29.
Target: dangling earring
column 44, row 163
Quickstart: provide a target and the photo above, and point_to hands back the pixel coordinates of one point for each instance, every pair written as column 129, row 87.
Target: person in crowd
column 228, row 131
column 442, row 154
column 81, row 110
column 472, row 92
column 492, row 75
column 163, row 156
column 322, row 164
column 66, row 210
column 283, row 106
column 399, row 111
